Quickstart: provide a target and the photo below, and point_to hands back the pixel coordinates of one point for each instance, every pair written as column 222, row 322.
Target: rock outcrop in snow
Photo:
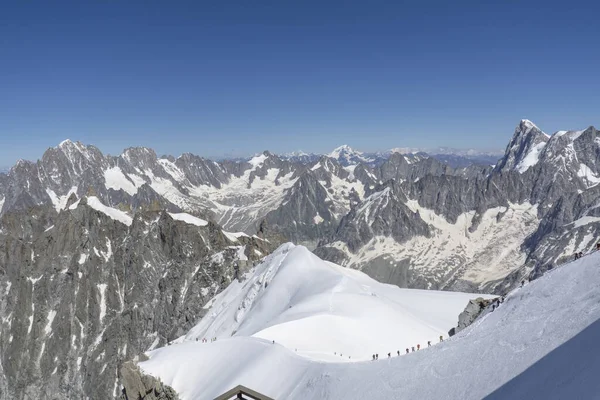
column 539, row 344
column 82, row 291
column 476, row 228
column 91, row 245
column 316, row 309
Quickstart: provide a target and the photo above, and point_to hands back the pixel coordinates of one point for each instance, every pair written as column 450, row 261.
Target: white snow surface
column 102, row 290
column 587, row 175
column 188, row 219
column 50, row 318
column 115, row 179
column 234, row 236
column 539, row 344
column 258, row 160
column 59, row 202
column 318, row 314
column 531, row 159
column 115, row 214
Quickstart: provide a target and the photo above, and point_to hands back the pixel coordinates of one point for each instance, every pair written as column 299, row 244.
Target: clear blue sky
column 237, row 77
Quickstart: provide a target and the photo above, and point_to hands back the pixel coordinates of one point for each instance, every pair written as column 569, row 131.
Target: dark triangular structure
column 242, row 392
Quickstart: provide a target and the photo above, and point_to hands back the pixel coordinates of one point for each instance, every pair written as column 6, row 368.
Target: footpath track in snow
column 528, row 348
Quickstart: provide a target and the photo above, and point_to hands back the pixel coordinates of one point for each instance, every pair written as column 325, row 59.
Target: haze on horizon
column 236, row 79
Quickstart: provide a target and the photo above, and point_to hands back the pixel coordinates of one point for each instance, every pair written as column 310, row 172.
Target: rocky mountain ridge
column 104, row 257
column 485, row 230
column 89, row 287
column 386, row 217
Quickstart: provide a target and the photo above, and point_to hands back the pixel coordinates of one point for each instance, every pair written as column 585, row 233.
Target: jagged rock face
column 94, row 268
column 487, row 221
column 478, row 230
column 471, row 312
column 237, row 195
column 523, row 150
column 139, row 386
column 82, row 292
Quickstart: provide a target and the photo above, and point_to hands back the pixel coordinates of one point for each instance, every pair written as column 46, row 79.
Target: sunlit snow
column 113, row 213
column 116, row 179
column 189, row 219
column 317, row 308
column 538, row 344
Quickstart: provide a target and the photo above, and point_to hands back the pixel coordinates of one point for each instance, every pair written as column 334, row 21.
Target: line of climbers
column 214, row 339
column 495, row 304
column 376, row 356
column 580, row 254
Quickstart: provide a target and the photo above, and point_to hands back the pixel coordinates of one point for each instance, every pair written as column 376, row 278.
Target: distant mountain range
column 114, row 255
column 347, row 156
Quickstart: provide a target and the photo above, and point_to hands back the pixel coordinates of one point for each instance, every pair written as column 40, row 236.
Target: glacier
column 540, row 342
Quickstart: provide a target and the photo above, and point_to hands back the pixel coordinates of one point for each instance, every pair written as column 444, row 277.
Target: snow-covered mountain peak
column 259, row 159
column 138, row 151
column 344, row 150
column 297, row 153
column 316, row 308
column 526, row 125
column 525, row 147
column 68, row 145
column 346, row 155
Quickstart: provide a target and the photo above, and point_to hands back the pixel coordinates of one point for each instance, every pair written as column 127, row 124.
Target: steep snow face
column 172, row 169
column 588, row 176
column 257, row 161
column 323, row 311
column 115, row 214
column 531, row 158
column 59, row 202
column 544, row 332
column 115, row 179
column 523, row 151
column 188, row 219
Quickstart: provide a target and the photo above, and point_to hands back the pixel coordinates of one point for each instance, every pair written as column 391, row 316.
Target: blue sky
column 237, row 77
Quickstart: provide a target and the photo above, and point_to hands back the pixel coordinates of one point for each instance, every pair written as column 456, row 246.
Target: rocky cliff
column 88, row 288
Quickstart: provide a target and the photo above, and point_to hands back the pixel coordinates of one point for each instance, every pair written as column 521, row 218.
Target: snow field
column 113, row 213
column 530, row 347
column 316, row 309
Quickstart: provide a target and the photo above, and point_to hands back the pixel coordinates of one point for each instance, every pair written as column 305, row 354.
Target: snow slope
column 115, row 214
column 188, row 219
column 310, row 306
column 540, row 344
